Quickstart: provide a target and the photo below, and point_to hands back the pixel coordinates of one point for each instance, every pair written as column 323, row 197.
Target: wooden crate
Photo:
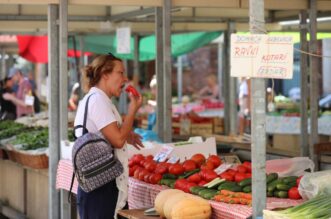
column 201, row 128
column 288, row 142
column 218, row 124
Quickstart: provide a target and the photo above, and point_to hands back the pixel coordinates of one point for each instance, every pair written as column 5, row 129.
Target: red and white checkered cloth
column 142, row 195
column 64, row 176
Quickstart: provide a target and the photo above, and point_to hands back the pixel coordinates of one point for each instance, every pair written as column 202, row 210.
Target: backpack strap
column 85, row 130
column 72, row 183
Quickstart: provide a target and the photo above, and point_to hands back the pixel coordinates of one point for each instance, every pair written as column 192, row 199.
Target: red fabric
column 35, row 48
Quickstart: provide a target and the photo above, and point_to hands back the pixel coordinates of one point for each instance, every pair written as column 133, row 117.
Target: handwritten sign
column 261, row 56
column 163, row 154
column 123, row 35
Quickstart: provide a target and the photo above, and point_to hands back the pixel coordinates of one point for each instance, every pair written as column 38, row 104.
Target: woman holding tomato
column 105, row 79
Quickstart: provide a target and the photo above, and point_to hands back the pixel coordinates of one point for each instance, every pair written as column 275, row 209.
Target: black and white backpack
column 93, row 159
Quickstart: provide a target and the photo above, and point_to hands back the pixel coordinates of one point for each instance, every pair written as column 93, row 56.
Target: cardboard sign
column 123, row 36
column 261, row 56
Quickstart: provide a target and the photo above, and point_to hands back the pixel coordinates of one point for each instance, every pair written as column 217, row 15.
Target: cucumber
column 245, row 182
column 196, row 189
column 188, row 173
column 271, row 177
column 209, row 195
column 226, row 184
column 272, row 185
column 169, row 176
column 167, row 182
column 203, row 191
column 282, row 187
column 233, row 188
column 280, row 194
column 247, row 189
column 289, row 179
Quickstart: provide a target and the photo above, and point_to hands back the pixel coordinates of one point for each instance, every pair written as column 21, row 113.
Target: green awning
column 180, row 44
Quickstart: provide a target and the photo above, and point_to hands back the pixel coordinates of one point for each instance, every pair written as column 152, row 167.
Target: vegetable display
column 318, row 207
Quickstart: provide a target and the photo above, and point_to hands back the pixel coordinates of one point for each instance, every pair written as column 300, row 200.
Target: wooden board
column 135, row 214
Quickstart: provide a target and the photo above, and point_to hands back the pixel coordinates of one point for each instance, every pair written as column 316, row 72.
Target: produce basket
column 39, row 161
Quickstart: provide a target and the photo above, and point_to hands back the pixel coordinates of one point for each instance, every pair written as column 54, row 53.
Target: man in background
column 23, row 93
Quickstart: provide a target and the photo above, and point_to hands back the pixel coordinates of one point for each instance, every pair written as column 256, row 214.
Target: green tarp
column 180, row 44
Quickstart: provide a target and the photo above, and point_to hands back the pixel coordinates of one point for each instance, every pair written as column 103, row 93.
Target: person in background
column 24, row 90
column 211, row 90
column 7, row 108
column 74, row 97
column 243, row 95
column 106, row 79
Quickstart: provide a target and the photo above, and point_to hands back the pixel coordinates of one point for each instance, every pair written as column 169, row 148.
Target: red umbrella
column 35, row 48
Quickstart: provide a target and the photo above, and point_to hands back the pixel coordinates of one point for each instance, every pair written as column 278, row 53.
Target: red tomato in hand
column 132, row 90
column 293, row 193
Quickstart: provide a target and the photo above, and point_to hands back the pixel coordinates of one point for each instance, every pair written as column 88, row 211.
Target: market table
column 135, row 214
column 142, row 196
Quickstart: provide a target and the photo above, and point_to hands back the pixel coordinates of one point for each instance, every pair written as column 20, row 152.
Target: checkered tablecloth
column 64, row 176
column 142, row 195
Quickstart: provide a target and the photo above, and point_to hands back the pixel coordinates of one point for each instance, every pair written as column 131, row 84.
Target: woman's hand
column 135, row 140
column 135, row 102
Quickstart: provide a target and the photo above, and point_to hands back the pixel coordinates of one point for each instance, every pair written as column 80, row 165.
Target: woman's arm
column 14, row 100
column 117, row 136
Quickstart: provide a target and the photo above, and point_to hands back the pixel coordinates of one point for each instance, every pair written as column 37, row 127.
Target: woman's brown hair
column 100, row 65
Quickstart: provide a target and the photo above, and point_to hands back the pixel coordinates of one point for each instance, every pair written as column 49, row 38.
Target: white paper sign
column 123, row 35
column 173, row 159
column 222, row 168
column 261, row 56
column 163, row 154
column 29, row 100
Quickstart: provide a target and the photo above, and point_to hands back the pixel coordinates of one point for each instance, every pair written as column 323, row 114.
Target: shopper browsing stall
column 24, row 91
column 106, row 79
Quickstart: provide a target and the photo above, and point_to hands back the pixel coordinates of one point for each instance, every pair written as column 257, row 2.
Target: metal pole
column 220, row 58
column 180, row 77
column 159, row 72
column 63, row 30
column 167, row 70
column 54, row 109
column 258, row 98
column 314, row 74
column 3, row 64
column 226, row 82
column 303, row 84
column 233, row 88
column 136, row 70
column 81, row 47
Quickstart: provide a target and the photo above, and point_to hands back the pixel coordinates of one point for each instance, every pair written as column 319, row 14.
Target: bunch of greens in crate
column 34, row 139
column 10, row 129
